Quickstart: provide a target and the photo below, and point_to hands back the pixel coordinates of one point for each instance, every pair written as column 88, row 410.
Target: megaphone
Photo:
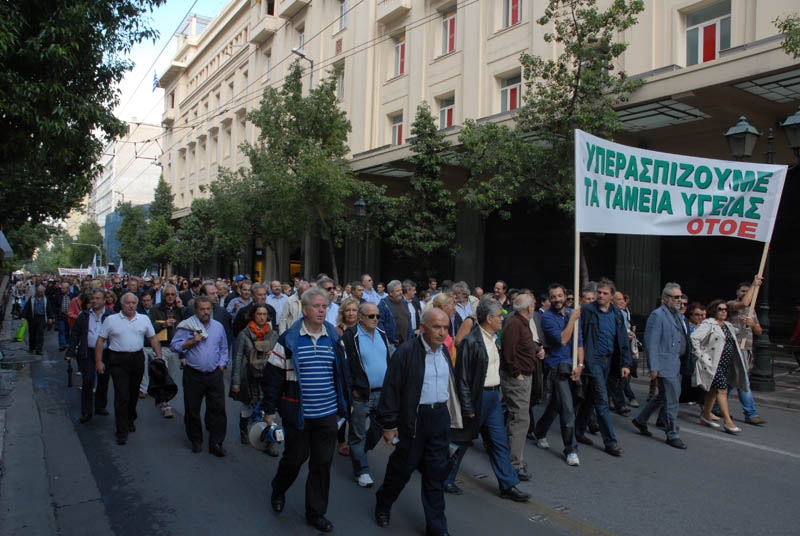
column 261, row 434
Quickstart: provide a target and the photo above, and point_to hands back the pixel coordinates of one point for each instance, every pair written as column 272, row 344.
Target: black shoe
column 660, row 425
column 641, row 427
column 452, row 489
column 62, row 348
column 531, row 436
column 122, row 439
column 85, row 418
column 382, row 517
column 623, row 411
column 272, row 450
column 320, row 523
column 197, row 447
column 515, row 494
column 614, row 450
column 523, row 474
column 676, row 443
column 101, row 411
column 278, row 501
column 583, row 440
column 131, row 427
column 217, row 450
column 594, row 428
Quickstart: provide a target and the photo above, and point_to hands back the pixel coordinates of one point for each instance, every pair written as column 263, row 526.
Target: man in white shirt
column 125, row 333
column 277, row 299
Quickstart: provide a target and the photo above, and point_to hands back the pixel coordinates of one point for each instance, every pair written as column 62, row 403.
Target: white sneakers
column 365, row 481
column 542, row 443
column 573, row 460
column 166, row 411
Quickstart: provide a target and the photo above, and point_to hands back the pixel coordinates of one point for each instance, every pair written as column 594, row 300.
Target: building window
column 510, row 93
column 708, row 31
column 171, row 100
column 448, row 31
column 512, row 10
column 397, row 129
column 342, row 14
column 301, row 37
column 400, row 56
column 446, row 107
column 268, row 62
column 340, row 82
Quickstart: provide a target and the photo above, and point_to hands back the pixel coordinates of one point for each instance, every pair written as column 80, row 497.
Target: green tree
column 424, row 219
column 163, row 198
column 60, row 65
column 132, row 236
column 789, row 26
column 194, row 243
column 299, row 162
column 25, row 240
column 577, row 90
column 88, row 233
column 54, row 255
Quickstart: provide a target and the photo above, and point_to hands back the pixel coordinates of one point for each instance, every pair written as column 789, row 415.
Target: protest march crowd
column 344, row 367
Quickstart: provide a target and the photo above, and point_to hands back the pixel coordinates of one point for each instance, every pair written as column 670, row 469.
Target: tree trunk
column 332, row 253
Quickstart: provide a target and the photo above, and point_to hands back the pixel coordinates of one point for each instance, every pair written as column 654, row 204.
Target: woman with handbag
column 719, row 365
column 254, row 345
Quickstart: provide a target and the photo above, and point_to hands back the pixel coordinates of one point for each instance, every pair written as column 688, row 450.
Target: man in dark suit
column 665, row 340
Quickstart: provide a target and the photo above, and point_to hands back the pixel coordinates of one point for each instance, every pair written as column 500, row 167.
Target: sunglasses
column 372, row 316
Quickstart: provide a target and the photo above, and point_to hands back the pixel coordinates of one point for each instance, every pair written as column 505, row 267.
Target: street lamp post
column 360, row 207
column 99, row 251
column 302, row 53
column 307, row 236
column 742, row 139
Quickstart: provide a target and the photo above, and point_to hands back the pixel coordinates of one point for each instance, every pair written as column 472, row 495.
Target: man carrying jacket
column 477, row 374
column 367, row 350
column 306, row 383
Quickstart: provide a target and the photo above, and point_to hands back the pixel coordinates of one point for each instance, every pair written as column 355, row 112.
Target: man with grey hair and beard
column 665, row 340
column 395, row 318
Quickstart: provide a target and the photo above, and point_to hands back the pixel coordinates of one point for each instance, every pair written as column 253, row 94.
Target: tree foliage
column 298, row 163
column 424, row 219
column 60, row 62
column 53, row 255
column 577, row 90
column 789, row 26
column 132, row 236
column 163, row 197
column 194, row 243
column 88, row 233
column 25, row 240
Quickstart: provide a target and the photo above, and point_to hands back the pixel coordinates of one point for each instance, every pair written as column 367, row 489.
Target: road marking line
column 720, row 437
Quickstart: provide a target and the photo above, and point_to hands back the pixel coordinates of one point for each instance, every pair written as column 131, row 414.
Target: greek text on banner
column 624, row 190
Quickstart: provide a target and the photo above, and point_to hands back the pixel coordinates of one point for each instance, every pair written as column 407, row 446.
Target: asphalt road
column 63, row 477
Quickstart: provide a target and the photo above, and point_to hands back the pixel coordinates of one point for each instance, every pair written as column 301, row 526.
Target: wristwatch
column 581, row 365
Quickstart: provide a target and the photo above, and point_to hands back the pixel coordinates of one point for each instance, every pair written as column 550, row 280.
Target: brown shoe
column 614, row 450
column 755, row 420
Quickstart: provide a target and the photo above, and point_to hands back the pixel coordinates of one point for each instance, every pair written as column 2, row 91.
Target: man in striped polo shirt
column 307, row 384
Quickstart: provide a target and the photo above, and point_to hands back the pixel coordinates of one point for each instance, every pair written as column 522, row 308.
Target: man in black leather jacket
column 478, row 385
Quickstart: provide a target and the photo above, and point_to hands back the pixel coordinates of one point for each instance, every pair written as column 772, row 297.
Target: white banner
column 624, row 190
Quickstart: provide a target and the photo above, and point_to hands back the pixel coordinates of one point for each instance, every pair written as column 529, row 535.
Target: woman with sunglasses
column 720, row 364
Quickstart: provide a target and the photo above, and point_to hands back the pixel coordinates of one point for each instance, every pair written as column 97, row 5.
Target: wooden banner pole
column 576, row 293
column 755, row 290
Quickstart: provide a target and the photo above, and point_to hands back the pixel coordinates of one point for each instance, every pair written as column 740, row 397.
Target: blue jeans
column 597, row 399
column 669, row 391
column 360, row 440
column 748, row 404
column 495, row 440
column 63, row 332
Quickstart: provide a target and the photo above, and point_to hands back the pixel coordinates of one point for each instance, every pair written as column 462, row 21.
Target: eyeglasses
column 329, row 289
column 678, row 297
column 373, row 316
column 722, row 309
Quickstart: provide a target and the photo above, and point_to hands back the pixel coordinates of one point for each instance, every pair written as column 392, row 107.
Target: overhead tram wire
column 238, row 100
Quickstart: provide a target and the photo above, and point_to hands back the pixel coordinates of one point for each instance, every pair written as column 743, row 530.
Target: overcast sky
column 138, row 100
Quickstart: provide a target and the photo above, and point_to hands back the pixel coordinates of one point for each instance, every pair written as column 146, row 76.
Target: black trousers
column 426, row 452
column 315, row 443
column 93, row 397
column 36, row 333
column 560, row 404
column 211, row 386
column 127, row 369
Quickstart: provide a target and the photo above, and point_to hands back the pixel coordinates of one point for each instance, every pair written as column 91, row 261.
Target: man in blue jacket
column 665, row 340
column 604, row 338
column 306, row 383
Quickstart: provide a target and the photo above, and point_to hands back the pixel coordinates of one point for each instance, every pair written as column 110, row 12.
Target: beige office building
column 704, row 64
